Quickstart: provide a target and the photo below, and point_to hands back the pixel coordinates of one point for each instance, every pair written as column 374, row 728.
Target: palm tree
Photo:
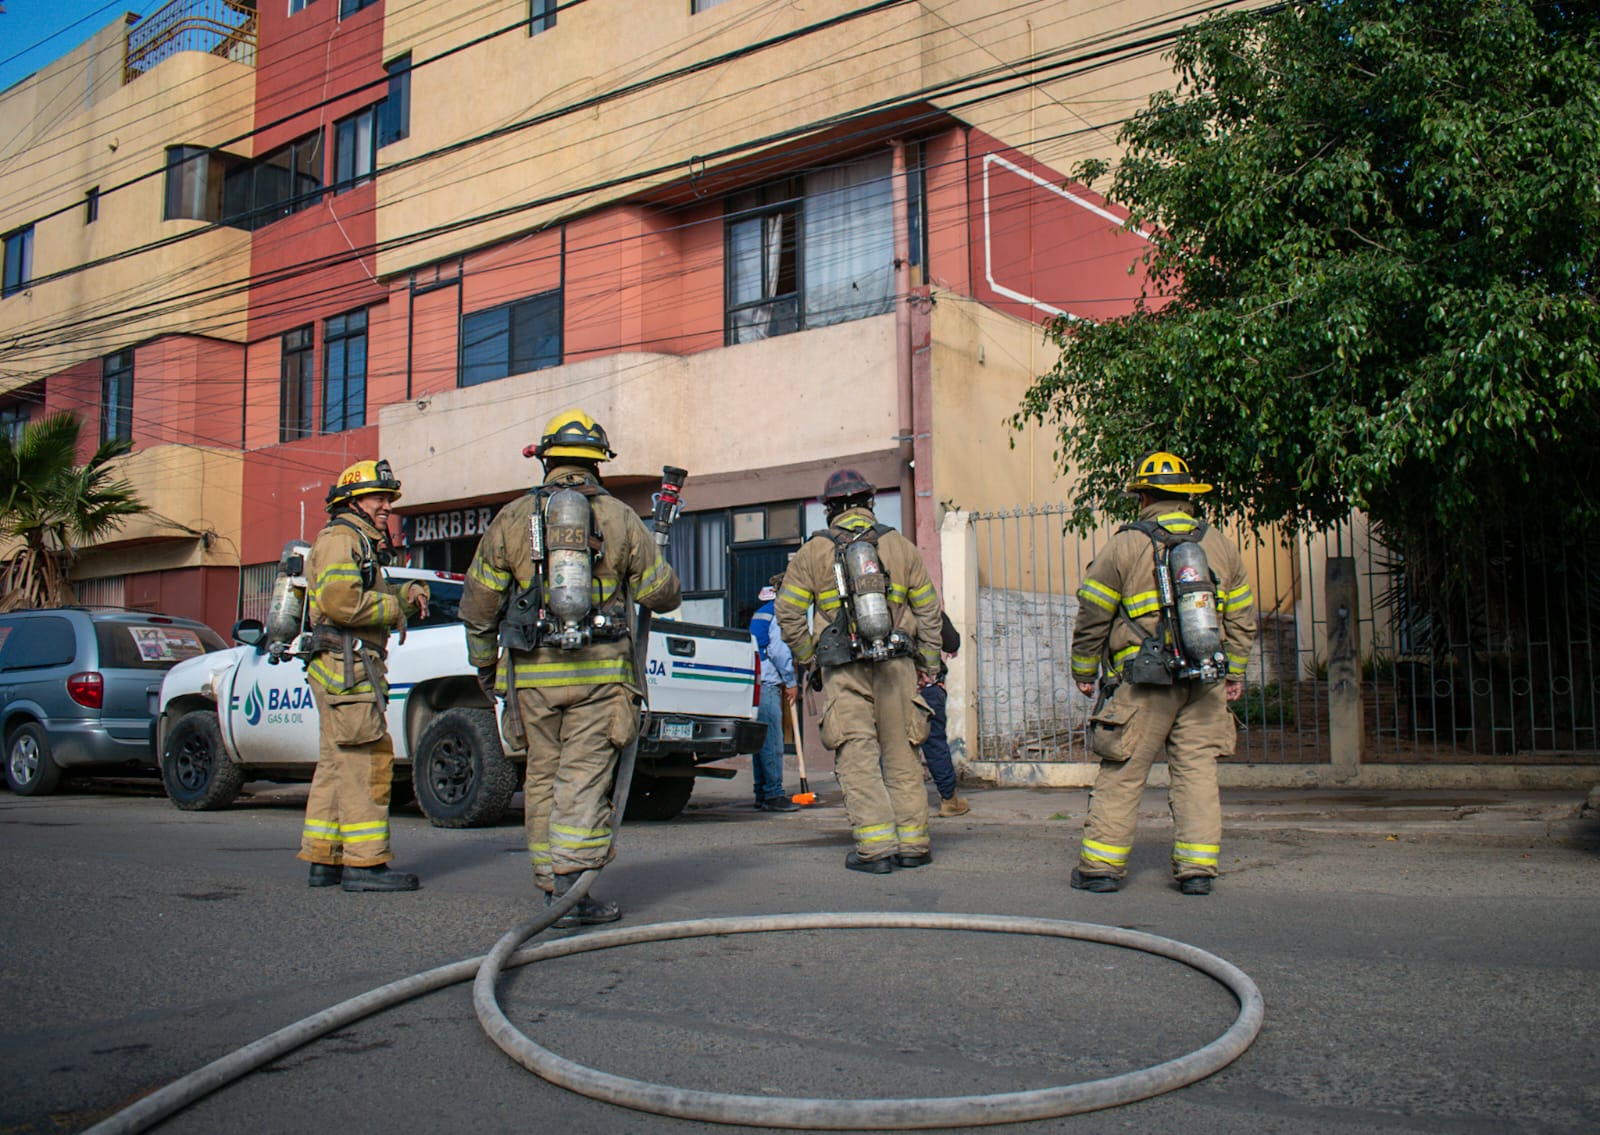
column 52, row 506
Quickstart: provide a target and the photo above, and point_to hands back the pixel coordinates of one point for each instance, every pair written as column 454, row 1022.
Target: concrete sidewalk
column 1499, row 817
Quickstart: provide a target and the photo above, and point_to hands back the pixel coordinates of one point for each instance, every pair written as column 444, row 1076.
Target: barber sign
column 452, row 524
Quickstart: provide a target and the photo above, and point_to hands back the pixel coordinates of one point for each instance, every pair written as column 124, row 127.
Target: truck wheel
column 462, row 777
column 30, row 769
column 655, row 797
column 196, row 770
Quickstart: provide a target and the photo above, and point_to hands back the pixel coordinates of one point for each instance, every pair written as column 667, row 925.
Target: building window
column 703, row 5
column 297, row 6
column 349, row 8
column 13, row 420
column 91, row 206
column 19, row 261
column 355, row 148
column 394, row 112
column 514, row 339
column 212, row 185
column 344, row 372
column 811, row 251
column 541, row 16
column 116, row 397
column 275, row 185
column 294, row 392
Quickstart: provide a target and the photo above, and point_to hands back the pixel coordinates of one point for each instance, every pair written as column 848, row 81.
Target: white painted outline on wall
column 988, row 247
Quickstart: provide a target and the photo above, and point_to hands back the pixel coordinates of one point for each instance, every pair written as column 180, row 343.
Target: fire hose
column 793, row 1113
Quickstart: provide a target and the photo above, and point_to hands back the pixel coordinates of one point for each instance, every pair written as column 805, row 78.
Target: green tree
column 51, row 506
column 1376, row 232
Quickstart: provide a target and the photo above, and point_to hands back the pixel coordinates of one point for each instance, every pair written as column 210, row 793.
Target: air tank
column 566, row 539
column 285, row 609
column 1199, row 628
column 868, row 590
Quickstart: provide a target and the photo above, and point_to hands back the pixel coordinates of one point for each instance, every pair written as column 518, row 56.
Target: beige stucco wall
column 792, row 400
column 88, row 130
column 596, row 49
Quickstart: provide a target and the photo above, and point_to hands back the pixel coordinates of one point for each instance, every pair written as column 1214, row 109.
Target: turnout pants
column 347, row 811
column 575, row 734
column 1191, row 723
column 873, row 719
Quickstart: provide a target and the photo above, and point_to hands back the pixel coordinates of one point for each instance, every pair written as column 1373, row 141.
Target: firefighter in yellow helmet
column 869, row 642
column 352, row 610
column 548, row 609
column 1165, row 673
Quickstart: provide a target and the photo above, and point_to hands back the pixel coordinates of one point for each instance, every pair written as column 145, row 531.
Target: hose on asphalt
column 715, row 1107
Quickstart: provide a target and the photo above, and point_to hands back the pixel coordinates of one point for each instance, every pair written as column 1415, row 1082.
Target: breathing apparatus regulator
column 1186, row 589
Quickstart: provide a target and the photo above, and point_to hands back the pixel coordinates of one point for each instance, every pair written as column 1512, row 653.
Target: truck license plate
column 677, row 731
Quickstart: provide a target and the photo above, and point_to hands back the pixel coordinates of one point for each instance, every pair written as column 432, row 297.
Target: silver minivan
column 79, row 688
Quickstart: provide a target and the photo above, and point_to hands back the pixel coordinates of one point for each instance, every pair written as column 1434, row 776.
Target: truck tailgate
column 705, row 670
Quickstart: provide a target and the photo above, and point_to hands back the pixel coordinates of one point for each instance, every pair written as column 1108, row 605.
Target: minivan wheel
column 30, row 769
column 195, row 769
column 461, row 774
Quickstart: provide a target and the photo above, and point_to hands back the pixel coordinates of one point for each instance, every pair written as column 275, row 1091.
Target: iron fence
column 225, row 28
column 1480, row 661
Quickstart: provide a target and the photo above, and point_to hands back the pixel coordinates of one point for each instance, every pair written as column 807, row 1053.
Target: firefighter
column 352, row 610
column 1157, row 696
column 553, row 635
column 876, row 626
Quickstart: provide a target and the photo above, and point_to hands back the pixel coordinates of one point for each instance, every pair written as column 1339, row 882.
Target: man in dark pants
column 936, row 749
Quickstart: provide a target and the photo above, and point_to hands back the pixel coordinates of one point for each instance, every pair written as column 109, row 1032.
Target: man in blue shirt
column 778, row 690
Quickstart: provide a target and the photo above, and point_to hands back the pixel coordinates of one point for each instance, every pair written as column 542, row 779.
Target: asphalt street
column 1430, row 963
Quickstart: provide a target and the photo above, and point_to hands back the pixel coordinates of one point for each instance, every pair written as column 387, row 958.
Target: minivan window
column 38, row 642
column 146, row 646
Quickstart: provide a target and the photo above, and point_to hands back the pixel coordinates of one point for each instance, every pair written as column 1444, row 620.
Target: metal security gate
column 1496, row 661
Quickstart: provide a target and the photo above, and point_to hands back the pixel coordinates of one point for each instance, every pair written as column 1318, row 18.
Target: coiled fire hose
column 715, row 1107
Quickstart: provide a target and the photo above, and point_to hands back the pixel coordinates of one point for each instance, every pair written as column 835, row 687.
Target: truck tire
column 195, row 768
column 461, row 775
column 30, row 769
column 655, row 797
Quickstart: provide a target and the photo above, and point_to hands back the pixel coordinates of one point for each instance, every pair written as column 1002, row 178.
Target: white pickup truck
column 234, row 715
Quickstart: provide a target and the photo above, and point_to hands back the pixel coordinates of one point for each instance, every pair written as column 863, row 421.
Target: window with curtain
column 698, row 551
column 116, row 397
column 812, row 251
column 19, row 260
column 344, row 372
column 355, row 148
column 294, row 394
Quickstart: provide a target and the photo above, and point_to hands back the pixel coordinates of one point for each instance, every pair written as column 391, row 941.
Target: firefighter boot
column 1195, row 885
column 325, row 875
column 378, row 878
column 590, row 911
column 912, row 858
column 1095, row 884
column 871, row 866
column 955, row 806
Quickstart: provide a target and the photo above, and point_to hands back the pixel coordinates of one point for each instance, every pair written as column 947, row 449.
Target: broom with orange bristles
column 805, row 795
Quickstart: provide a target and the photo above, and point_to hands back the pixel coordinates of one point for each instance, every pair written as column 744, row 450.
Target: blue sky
column 60, row 24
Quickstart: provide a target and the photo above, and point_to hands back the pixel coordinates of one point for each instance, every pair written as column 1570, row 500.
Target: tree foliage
column 51, row 506
column 1378, row 223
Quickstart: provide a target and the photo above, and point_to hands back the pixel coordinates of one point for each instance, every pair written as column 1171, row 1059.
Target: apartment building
column 756, row 239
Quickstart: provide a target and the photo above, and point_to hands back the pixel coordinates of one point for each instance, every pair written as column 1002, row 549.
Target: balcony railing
column 225, row 28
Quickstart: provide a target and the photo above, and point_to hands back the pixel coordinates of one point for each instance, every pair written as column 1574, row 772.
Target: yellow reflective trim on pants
column 874, row 833
column 573, row 672
column 575, row 838
column 335, row 682
column 540, row 853
column 384, row 834
column 916, row 833
column 1201, row 854
column 1105, row 853
column 321, row 829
